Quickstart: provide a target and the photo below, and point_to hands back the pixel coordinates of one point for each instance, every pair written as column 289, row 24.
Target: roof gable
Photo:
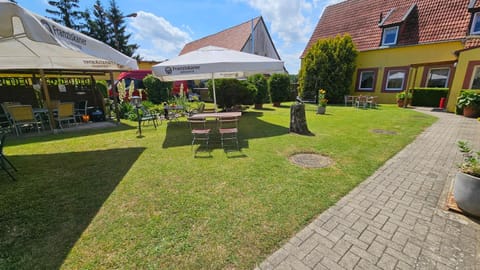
column 430, row 21
column 233, row 38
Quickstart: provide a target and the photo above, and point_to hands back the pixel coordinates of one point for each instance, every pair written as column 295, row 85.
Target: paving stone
column 349, row 260
column 387, row 262
column 394, row 219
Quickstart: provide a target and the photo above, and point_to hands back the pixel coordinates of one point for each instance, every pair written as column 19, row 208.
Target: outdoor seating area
column 361, row 101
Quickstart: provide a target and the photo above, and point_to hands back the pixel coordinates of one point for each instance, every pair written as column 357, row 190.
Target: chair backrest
column 53, row 104
column 197, row 123
column 82, row 105
column 66, row 109
column 228, row 122
column 21, row 113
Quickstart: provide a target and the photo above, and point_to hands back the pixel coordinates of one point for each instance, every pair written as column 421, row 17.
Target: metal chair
column 372, row 102
column 3, row 159
column 23, row 118
column 349, row 100
column 199, row 130
column 149, row 116
column 65, row 113
column 228, row 129
column 361, row 101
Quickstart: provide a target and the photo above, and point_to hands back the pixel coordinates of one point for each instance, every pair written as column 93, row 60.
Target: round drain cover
column 309, row 160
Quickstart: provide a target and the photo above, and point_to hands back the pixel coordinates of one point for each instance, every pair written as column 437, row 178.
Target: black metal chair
column 3, row 159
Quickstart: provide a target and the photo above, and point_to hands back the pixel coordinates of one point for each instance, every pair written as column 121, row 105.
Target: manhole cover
column 308, row 160
column 382, row 131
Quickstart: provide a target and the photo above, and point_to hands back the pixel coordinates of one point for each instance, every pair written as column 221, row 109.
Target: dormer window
column 390, row 36
column 476, row 24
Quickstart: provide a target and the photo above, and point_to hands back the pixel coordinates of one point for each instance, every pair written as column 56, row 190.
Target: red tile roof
column 397, row 15
column 430, row 21
column 233, row 38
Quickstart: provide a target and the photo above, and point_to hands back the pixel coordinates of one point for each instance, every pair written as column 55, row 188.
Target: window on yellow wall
column 395, row 80
column 476, row 24
column 366, row 79
column 476, row 78
column 438, row 77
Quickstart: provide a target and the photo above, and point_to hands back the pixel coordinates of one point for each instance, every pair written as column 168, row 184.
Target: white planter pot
column 466, row 191
column 321, row 110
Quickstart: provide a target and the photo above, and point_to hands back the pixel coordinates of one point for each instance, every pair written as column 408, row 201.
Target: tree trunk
column 298, row 120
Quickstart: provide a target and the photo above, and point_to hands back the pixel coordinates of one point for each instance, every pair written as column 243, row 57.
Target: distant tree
column 97, row 27
column 65, row 12
column 13, row 1
column 329, row 64
column 118, row 38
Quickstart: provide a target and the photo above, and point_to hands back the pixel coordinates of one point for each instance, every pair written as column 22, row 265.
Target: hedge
column 428, row 97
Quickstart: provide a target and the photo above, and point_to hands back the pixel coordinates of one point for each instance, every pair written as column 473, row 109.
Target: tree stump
column 298, row 120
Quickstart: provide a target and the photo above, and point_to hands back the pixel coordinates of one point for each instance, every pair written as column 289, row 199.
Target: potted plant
column 469, row 101
column 401, row 98
column 466, row 190
column 322, row 102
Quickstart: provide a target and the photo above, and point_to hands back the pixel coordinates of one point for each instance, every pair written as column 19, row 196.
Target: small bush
column 231, row 92
column 157, row 90
column 279, row 87
column 261, row 84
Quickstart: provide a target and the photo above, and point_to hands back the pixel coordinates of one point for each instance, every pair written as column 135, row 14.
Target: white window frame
column 475, row 70
column 360, row 80
column 388, row 29
column 476, row 18
column 403, row 80
column 430, row 73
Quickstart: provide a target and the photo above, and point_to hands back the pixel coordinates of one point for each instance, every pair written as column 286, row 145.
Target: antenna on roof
column 253, row 38
column 381, row 18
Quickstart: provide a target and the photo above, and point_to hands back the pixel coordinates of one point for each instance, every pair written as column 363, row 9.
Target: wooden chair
column 361, row 101
column 199, row 131
column 228, row 129
column 3, row 159
column 65, row 113
column 372, row 102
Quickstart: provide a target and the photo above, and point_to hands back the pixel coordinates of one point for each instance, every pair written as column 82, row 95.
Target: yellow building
column 406, row 44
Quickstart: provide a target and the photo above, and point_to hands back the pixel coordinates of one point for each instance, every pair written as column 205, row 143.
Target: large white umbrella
column 30, row 41
column 214, row 63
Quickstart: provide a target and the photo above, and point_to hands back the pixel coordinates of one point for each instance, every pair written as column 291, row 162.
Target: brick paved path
column 395, row 219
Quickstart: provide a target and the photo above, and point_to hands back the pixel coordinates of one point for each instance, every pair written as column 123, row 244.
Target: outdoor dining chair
column 361, row 101
column 199, row 130
column 3, row 159
column 228, row 129
column 23, row 118
column 65, row 113
column 349, row 100
column 372, row 102
column 149, row 116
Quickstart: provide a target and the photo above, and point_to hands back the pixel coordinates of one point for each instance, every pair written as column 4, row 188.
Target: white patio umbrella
column 214, row 63
column 30, row 41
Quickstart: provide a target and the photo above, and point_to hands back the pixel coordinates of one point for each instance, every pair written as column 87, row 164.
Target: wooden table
column 216, row 115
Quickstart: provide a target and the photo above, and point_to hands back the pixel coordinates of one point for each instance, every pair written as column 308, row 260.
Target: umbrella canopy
column 214, row 63
column 30, row 41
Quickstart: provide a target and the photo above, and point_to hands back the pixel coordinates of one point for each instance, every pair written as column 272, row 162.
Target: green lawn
column 106, row 199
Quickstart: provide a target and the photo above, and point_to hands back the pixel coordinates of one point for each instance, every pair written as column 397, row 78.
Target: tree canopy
column 329, row 64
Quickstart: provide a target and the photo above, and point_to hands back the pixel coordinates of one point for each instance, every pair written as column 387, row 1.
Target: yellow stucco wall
column 457, row 85
column 403, row 56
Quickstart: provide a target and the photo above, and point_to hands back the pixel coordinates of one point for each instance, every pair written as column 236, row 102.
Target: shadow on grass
column 55, row 198
column 250, row 127
column 49, row 136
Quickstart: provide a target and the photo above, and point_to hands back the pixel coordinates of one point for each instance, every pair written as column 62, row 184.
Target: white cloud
column 159, row 38
column 287, row 18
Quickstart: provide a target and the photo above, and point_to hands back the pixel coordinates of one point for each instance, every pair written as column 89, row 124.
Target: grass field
column 105, row 199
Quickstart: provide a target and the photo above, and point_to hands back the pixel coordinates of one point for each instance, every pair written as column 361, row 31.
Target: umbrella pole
column 214, row 95
column 47, row 99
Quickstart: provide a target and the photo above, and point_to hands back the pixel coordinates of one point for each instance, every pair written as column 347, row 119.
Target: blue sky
column 163, row 27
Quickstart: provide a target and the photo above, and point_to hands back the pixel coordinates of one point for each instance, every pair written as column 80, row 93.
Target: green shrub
column 157, row 90
column 279, row 87
column 329, row 64
column 102, row 88
column 261, row 84
column 429, row 97
column 230, row 92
